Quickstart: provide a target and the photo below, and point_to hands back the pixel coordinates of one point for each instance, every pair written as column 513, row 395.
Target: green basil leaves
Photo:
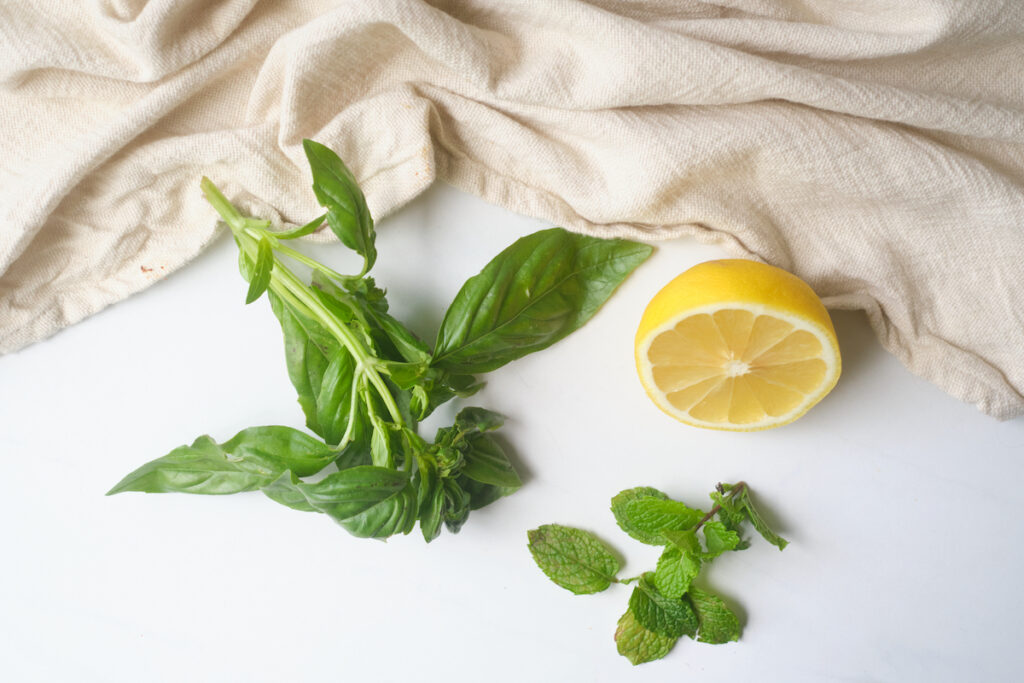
column 250, row 460
column 337, row 191
column 531, row 295
column 363, row 380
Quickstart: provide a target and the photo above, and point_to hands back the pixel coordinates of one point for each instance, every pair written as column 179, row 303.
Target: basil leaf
column 650, row 516
column 482, row 495
column 456, row 505
column 202, row 467
column 624, row 498
column 395, row 515
column 469, row 422
column 245, row 264
column 410, row 347
column 479, row 419
column 638, row 644
column 431, row 387
column 531, row 295
column 381, row 453
column 284, row 490
column 337, row 191
column 719, row 539
column 364, row 289
column 574, row 559
column 260, row 279
column 334, row 402
column 486, row 462
column 350, row 492
column 280, row 448
column 306, row 356
column 307, row 229
column 661, row 614
column 718, row 623
column 249, row 461
column 396, row 341
column 431, row 502
column 341, row 309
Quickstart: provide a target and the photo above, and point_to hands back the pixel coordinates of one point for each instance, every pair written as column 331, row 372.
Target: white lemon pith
column 736, row 345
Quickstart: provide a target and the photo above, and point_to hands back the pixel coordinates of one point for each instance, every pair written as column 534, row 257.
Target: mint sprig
column 665, row 605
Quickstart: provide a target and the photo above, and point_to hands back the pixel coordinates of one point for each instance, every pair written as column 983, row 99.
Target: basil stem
column 287, row 285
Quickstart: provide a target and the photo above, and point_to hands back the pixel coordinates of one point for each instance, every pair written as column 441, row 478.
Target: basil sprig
column 665, row 604
column 365, row 381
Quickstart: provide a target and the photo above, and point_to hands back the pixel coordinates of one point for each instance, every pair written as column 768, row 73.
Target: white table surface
column 900, row 502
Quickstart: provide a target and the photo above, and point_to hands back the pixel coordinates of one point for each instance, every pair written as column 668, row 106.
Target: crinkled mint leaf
column 624, row 498
column 759, row 524
column 719, row 539
column 574, row 559
column 650, row 516
column 676, row 570
column 638, row 644
column 660, row 614
column 684, row 540
column 718, row 623
column 729, row 513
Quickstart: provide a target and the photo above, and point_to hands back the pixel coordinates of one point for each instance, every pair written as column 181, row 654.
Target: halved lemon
column 736, row 345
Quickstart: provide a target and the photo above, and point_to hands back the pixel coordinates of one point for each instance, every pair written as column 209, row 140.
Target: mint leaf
column 718, row 623
column 665, row 605
column 759, row 524
column 639, row 644
column 574, row 559
column 684, row 540
column 650, row 516
column 719, row 539
column 676, row 570
column 661, row 614
column 624, row 498
column 729, row 513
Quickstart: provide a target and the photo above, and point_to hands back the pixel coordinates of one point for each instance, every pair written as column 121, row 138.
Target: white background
column 901, row 505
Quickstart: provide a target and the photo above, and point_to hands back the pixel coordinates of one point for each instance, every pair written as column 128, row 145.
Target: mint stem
column 736, row 489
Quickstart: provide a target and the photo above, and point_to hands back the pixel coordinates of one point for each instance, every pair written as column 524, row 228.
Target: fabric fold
column 876, row 150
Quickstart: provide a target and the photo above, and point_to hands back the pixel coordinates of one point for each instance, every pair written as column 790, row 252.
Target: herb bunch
column 665, row 604
column 365, row 381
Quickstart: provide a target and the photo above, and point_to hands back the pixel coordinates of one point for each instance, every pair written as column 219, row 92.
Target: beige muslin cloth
column 873, row 147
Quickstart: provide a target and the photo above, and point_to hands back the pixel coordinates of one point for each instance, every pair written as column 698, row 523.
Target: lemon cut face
column 754, row 361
